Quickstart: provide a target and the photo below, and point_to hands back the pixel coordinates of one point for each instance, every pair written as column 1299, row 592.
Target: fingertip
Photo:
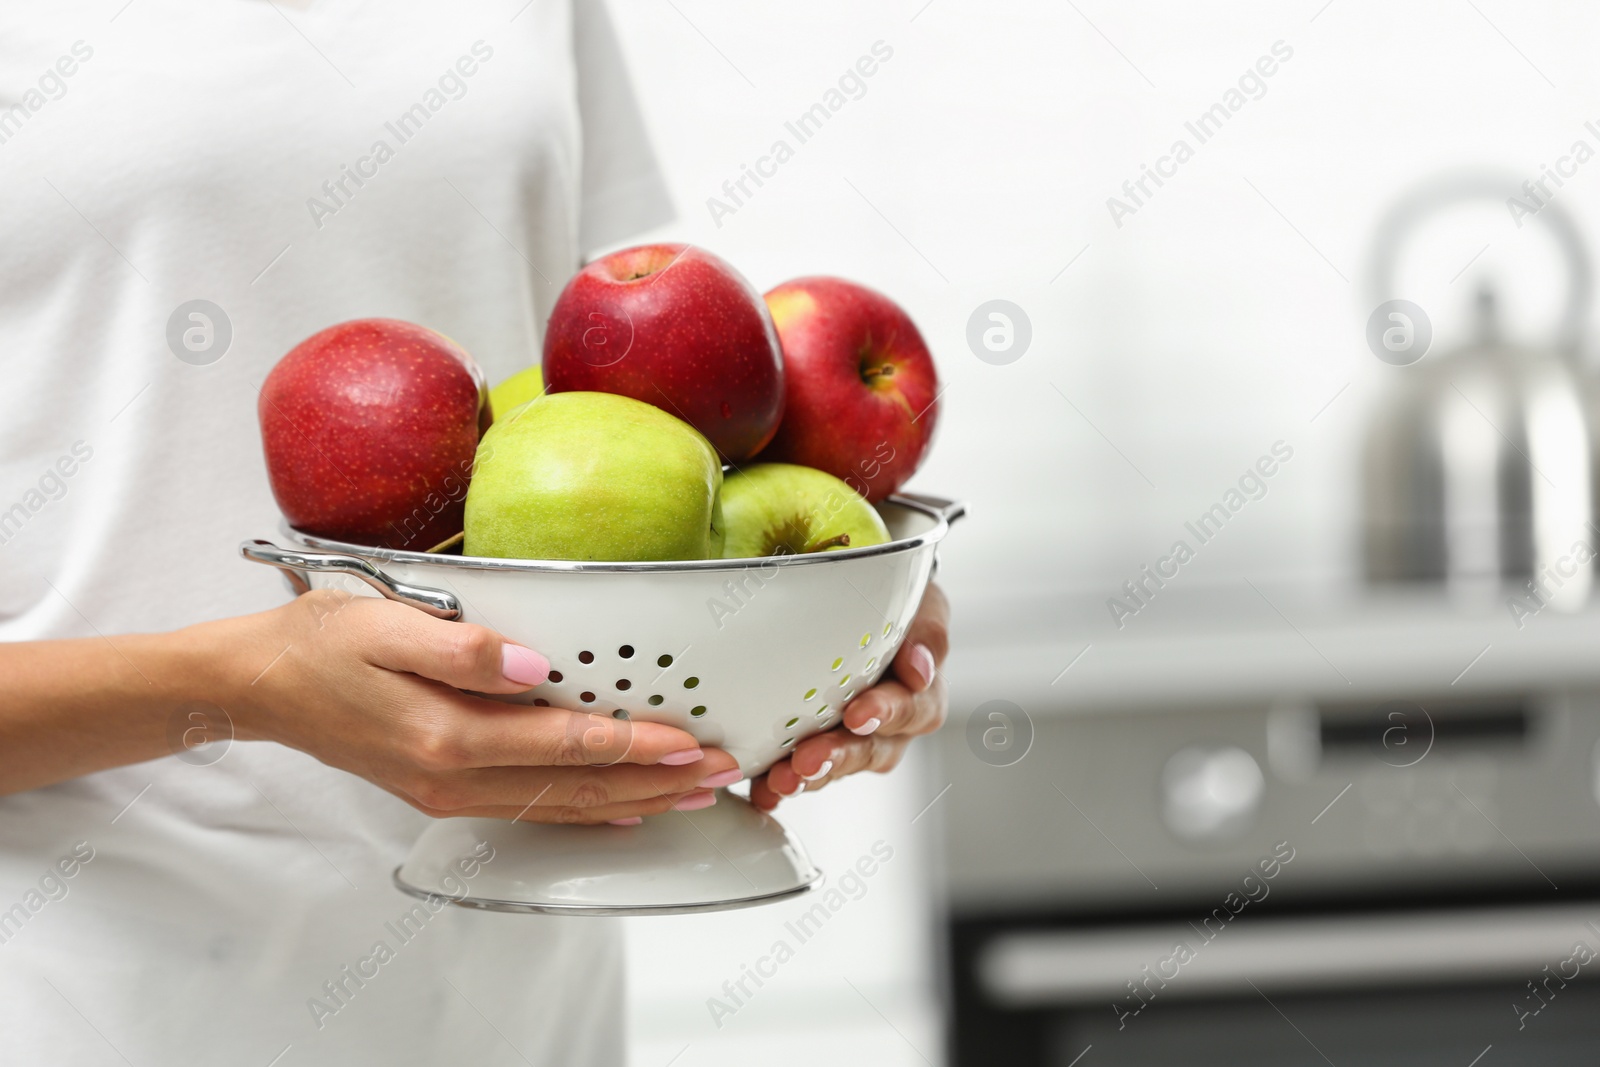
column 762, row 796
column 815, row 756
column 919, row 667
column 862, row 711
column 778, row 777
column 652, row 742
column 784, row 781
column 820, row 772
column 695, row 801
column 523, row 666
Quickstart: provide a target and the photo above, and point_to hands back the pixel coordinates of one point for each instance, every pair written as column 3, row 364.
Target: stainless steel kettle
column 1479, row 469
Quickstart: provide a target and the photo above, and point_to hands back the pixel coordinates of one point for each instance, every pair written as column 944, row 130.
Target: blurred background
column 1123, row 761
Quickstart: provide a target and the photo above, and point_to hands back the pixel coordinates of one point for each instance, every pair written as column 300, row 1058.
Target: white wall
column 1219, row 318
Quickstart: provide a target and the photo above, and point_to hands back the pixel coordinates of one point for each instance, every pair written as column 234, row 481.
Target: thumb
column 459, row 654
column 927, row 641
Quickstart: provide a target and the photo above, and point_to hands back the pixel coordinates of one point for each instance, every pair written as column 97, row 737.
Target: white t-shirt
column 296, row 165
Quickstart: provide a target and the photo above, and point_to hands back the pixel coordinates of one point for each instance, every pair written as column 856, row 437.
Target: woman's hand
column 880, row 722
column 375, row 688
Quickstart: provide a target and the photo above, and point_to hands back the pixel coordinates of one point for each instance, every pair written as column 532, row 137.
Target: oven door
column 1479, row 987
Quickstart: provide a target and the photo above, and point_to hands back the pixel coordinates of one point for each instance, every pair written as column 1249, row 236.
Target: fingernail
column 523, row 665
column 722, row 778
column 922, row 664
column 679, row 759
column 827, row 765
column 867, row 727
column 696, row 801
column 634, row 821
column 798, row 789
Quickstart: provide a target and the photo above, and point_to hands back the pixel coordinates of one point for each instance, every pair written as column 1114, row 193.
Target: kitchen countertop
column 1247, row 641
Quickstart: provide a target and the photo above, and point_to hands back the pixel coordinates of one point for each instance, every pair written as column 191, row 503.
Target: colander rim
column 942, row 512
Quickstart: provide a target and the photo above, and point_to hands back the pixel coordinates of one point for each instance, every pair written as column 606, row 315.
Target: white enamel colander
column 748, row 655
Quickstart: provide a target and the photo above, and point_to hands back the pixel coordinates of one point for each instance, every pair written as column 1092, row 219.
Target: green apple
column 594, row 476
column 516, row 390
column 780, row 509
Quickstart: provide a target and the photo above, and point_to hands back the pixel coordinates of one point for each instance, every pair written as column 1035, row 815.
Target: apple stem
column 838, row 541
column 451, row 542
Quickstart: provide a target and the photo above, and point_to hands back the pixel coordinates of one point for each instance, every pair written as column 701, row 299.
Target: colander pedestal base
column 726, row 856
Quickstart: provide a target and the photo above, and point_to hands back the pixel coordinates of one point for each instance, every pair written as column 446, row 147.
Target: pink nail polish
column 867, row 727
column 827, row 765
column 523, row 665
column 696, row 801
column 821, row 771
column 634, row 821
column 686, row 756
column 922, row 664
column 722, row 778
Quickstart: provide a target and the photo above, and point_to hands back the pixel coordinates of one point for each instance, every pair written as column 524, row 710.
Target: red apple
column 862, row 395
column 676, row 327
column 369, row 429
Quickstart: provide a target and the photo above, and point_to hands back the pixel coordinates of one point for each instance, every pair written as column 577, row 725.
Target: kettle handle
column 1445, row 190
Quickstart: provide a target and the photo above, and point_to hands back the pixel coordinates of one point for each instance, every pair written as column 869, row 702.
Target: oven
column 1409, row 879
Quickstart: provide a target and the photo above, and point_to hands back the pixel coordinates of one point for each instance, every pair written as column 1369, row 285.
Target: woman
column 294, row 166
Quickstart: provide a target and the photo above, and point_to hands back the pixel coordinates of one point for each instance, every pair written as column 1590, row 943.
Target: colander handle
column 295, row 563
column 949, row 510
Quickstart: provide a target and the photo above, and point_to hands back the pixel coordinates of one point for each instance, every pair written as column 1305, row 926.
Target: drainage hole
column 585, row 657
